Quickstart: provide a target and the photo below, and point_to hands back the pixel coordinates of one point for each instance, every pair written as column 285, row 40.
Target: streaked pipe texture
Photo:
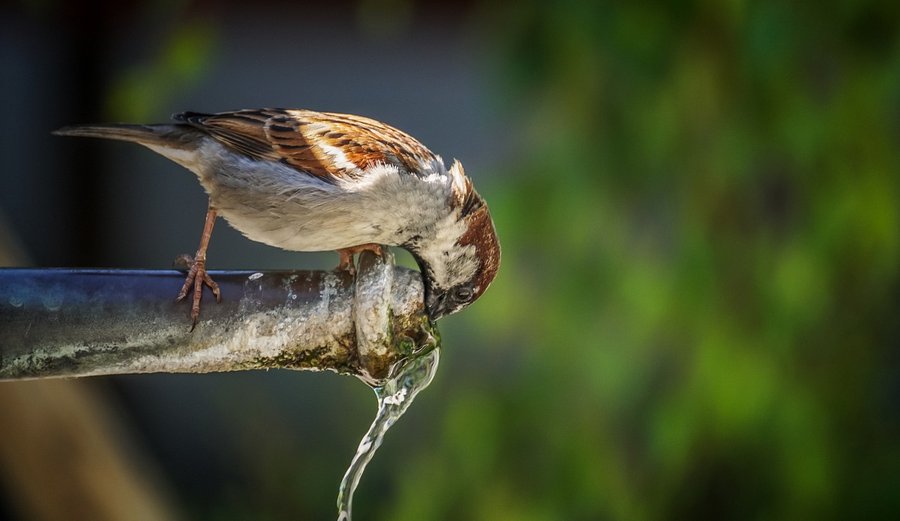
column 68, row 322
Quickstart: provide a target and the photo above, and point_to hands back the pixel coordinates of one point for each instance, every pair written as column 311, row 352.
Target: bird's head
column 459, row 262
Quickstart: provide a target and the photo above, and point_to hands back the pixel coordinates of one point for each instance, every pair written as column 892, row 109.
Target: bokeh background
column 698, row 311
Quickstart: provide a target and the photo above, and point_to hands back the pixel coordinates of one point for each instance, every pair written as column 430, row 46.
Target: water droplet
column 255, row 276
column 53, row 299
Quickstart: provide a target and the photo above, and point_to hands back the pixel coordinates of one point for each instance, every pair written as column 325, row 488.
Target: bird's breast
column 272, row 203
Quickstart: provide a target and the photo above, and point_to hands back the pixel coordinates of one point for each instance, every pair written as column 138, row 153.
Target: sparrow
column 315, row 181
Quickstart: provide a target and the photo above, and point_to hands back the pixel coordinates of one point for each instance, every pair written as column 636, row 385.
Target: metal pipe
column 64, row 322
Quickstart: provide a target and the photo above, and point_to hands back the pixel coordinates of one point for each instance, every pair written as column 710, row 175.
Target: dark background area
column 697, row 312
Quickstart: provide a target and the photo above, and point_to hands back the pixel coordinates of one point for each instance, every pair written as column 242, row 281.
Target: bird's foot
column 346, row 263
column 196, row 277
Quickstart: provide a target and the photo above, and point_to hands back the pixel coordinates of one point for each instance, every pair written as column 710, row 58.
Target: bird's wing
column 322, row 144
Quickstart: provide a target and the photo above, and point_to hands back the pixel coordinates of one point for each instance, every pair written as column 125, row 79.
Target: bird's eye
column 463, row 294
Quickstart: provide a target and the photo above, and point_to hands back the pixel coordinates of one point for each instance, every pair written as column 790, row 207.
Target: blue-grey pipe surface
column 65, row 322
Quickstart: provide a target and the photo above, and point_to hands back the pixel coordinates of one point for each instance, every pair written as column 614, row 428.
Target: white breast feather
column 275, row 204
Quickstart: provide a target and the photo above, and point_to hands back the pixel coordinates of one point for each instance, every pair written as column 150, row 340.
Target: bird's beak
column 436, row 304
column 435, row 299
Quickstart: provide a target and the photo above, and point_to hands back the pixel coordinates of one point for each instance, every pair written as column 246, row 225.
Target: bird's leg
column 197, row 275
column 346, row 262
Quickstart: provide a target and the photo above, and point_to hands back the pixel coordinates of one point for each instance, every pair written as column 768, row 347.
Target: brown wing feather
column 243, row 131
column 319, row 143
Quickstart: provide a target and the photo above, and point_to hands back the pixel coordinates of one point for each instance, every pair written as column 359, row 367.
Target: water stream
column 394, row 398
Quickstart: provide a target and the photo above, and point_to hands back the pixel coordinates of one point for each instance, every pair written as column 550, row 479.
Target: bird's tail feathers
column 165, row 135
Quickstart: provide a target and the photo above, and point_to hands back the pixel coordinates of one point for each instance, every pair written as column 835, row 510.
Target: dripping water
column 394, row 398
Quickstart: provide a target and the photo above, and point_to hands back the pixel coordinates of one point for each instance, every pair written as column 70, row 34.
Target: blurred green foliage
column 699, row 293
column 139, row 93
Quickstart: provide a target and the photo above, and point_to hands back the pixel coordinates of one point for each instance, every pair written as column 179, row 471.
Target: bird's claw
column 346, row 262
column 196, row 277
column 183, row 262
